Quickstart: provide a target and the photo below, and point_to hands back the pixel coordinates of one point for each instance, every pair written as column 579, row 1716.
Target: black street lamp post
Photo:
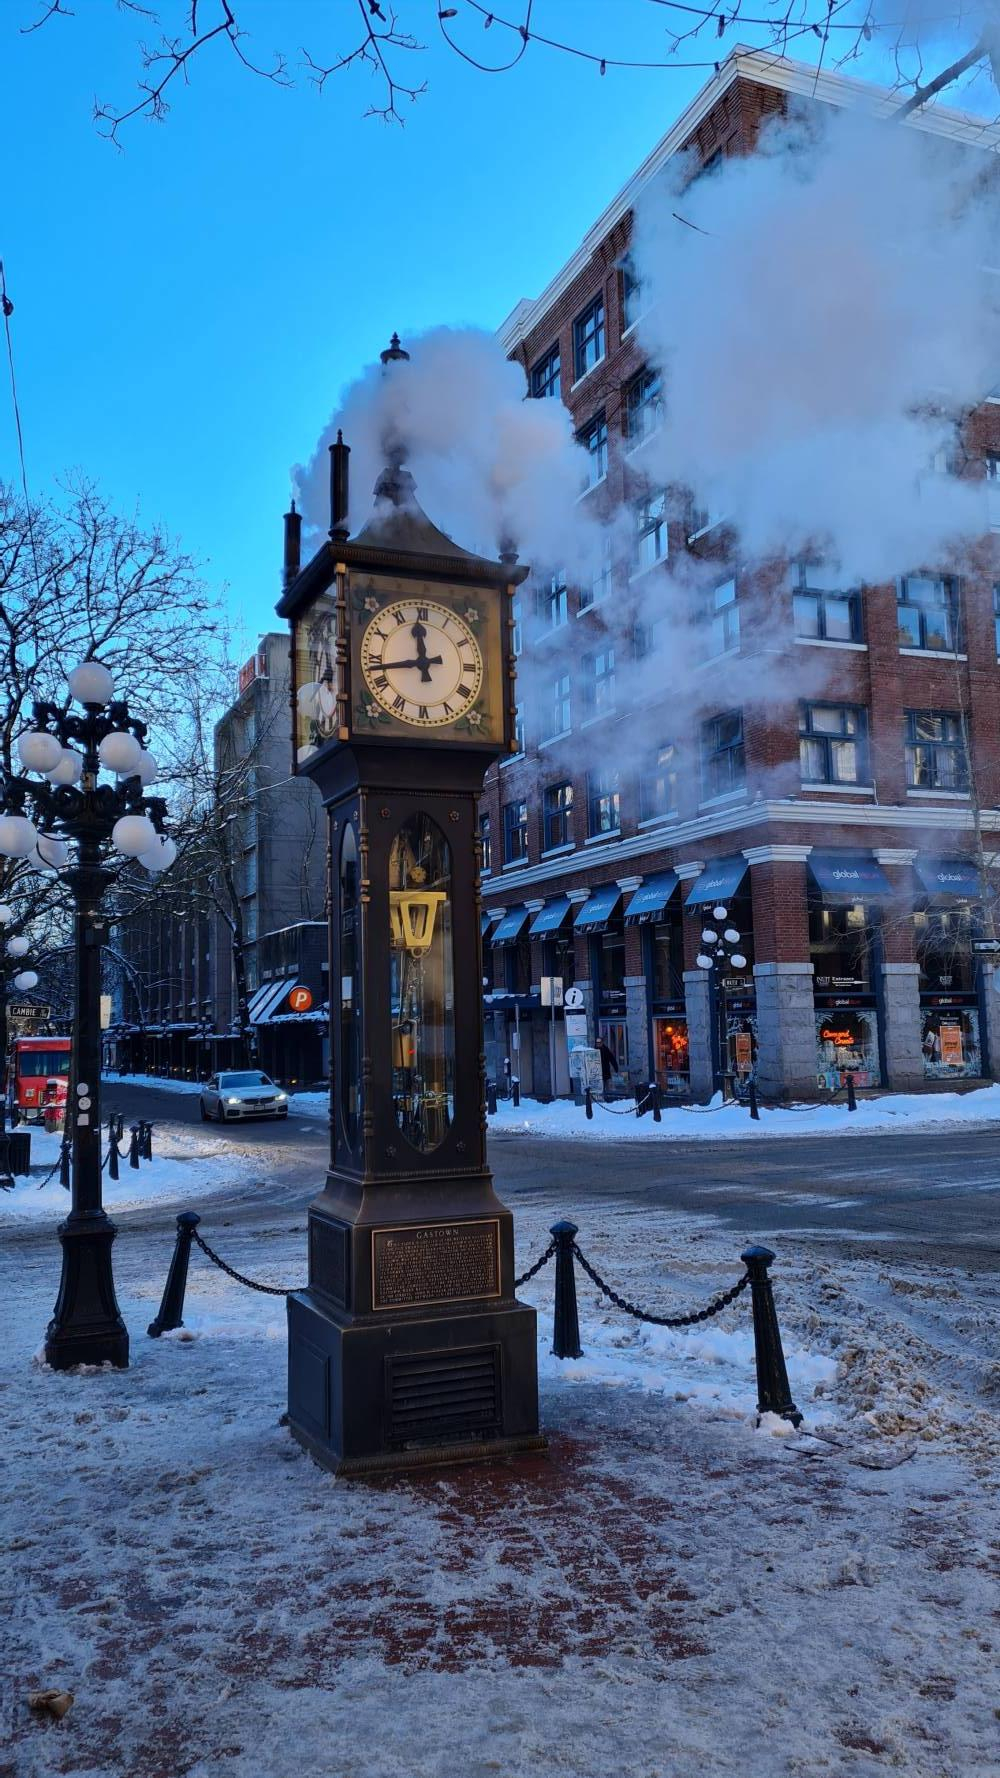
column 720, row 951
column 100, row 819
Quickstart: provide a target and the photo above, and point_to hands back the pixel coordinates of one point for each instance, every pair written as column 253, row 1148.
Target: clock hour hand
column 424, row 660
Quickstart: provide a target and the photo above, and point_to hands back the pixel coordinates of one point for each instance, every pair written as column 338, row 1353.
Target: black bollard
column 120, row 1127
column 588, row 1100
column 171, row 1310
column 565, row 1322
column 752, row 1095
column 852, row 1097
column 64, row 1158
column 773, row 1393
column 491, row 1097
column 133, row 1147
column 146, row 1141
column 113, row 1154
column 654, row 1094
column 515, row 1090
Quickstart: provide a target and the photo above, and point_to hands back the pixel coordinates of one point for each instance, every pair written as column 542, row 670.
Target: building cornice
column 724, row 821
column 782, row 75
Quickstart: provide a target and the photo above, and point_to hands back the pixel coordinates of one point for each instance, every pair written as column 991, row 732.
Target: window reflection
column 422, row 983
column 350, row 1011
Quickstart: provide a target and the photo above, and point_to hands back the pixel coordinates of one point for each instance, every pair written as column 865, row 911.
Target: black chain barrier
column 251, row 1284
column 714, row 1308
column 539, row 1263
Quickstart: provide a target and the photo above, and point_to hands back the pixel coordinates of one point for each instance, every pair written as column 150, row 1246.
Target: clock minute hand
column 425, row 661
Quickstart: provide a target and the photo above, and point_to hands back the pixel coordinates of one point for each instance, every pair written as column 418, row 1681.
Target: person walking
column 609, row 1064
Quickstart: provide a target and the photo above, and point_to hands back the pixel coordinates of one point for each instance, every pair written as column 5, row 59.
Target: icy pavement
column 722, row 1123
column 670, row 1593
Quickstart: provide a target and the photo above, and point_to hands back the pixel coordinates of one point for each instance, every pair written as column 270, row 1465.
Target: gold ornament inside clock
column 421, row 662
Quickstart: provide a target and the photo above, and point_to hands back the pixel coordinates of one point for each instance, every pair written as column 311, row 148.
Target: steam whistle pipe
column 293, row 545
column 339, row 484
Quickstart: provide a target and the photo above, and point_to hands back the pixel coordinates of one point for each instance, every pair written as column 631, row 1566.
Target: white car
column 246, row 1093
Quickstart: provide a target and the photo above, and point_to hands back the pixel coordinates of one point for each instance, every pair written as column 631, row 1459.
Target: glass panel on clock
column 316, row 716
column 350, row 1010
column 422, row 997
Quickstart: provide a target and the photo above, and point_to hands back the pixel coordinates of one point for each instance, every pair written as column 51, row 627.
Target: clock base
column 422, row 1388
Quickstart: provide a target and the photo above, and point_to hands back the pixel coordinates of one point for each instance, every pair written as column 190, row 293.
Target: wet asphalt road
column 931, row 1196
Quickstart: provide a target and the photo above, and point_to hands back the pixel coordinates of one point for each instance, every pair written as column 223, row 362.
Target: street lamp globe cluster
column 58, row 802
column 720, row 944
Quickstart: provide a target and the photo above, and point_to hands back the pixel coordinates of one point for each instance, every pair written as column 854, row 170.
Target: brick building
column 847, row 828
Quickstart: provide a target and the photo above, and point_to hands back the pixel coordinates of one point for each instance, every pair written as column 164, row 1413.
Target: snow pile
column 187, row 1164
column 722, row 1123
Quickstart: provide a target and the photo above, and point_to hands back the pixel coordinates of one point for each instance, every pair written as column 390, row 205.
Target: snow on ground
column 671, row 1591
column 721, row 1123
column 186, row 1164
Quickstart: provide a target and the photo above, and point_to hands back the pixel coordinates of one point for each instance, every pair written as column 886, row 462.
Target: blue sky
column 187, row 309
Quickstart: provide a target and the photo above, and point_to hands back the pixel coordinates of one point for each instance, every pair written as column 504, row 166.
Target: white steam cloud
column 488, row 464
column 822, row 335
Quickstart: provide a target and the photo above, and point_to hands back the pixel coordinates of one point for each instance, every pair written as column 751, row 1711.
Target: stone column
column 783, row 974
column 901, row 1022
column 697, row 1002
column 636, row 1009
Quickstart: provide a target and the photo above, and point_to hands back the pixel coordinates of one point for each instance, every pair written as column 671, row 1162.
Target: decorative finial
column 393, row 351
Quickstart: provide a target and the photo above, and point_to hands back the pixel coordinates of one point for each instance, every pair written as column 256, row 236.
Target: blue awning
column 651, row 897
column 718, row 881
column 484, row 925
column 597, row 911
column 509, row 929
column 550, row 917
column 957, row 877
column 853, row 874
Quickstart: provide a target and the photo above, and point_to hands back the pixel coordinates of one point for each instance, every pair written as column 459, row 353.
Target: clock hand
column 425, row 661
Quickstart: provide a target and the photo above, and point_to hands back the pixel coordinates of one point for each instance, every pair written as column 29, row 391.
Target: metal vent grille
column 440, row 1397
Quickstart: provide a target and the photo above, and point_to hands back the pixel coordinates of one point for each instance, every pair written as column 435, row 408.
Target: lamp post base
column 86, row 1325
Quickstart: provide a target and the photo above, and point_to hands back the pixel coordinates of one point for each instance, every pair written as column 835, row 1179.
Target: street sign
column 300, row 999
column 576, row 1027
column 552, row 990
column 573, row 999
column 986, row 947
column 20, row 1009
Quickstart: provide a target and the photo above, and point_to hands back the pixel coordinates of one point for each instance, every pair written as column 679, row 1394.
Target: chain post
column 774, row 1395
column 515, row 1091
column 654, row 1093
column 147, row 1141
column 491, row 1097
column 852, row 1097
column 133, row 1147
column 588, row 1100
column 113, row 1154
column 565, row 1321
column 171, row 1310
column 752, row 1096
column 64, row 1163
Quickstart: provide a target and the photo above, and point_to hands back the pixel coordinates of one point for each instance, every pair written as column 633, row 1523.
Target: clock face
column 421, row 663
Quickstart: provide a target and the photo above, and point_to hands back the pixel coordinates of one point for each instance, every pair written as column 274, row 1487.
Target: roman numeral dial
column 421, row 663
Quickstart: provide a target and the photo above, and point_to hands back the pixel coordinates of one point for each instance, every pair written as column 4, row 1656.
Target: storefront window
column 667, row 945
column 609, row 948
column 949, row 1015
column 671, row 1059
column 839, row 947
column 847, row 1041
column 950, row 1042
column 422, row 977
column 944, row 949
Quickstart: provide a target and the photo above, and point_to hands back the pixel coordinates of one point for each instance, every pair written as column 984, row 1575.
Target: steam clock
column 408, row 1345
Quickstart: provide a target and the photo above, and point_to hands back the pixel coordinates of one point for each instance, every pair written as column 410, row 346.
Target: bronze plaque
column 439, row 1262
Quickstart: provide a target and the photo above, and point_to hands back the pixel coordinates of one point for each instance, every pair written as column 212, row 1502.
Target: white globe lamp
column 731, row 936
column 708, row 937
column 26, row 979
column 720, row 913
column 68, row 768
column 17, row 836
column 6, row 913
column 147, row 768
column 703, row 962
column 39, row 752
column 161, row 856
column 132, row 835
column 17, row 947
column 738, row 960
column 53, row 852
column 120, row 753
column 91, row 683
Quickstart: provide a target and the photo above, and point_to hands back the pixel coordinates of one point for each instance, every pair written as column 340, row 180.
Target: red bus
column 37, row 1069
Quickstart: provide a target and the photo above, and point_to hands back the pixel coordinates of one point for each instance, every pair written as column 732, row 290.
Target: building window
column 658, row 784
column 603, row 802
column 996, row 616
column 598, row 681
column 553, row 602
column 485, row 843
column 594, row 439
column 600, row 586
column 830, row 614
column 723, row 754
column 937, row 755
column 725, row 616
column 992, row 465
column 519, row 727
column 927, row 612
column 631, row 292
column 831, row 744
column 650, row 538
column 643, row 406
column 588, row 338
column 558, row 707
column 545, row 375
column 557, row 815
column 515, row 832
